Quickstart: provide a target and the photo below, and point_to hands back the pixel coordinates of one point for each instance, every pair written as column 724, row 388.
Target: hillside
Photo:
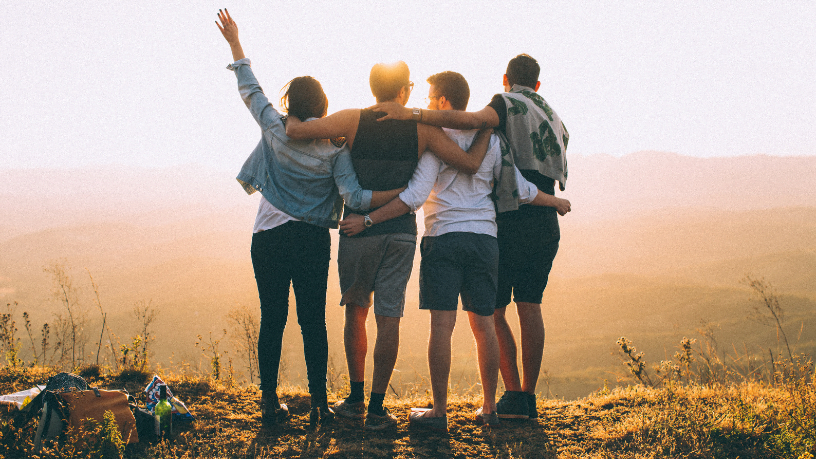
column 741, row 421
column 646, row 265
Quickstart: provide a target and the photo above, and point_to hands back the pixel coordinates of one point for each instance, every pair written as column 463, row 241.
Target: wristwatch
column 416, row 114
column 367, row 221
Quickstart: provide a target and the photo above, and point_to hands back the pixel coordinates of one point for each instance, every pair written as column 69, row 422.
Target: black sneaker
column 489, row 420
column 273, row 412
column 354, row 410
column 532, row 410
column 513, row 405
column 320, row 415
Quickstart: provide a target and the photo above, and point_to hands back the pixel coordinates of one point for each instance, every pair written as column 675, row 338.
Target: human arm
column 529, row 194
column 349, row 187
column 251, row 92
column 340, row 124
column 453, row 119
column 229, row 29
column 354, row 224
column 419, row 188
column 435, row 140
column 381, row 198
column 562, row 206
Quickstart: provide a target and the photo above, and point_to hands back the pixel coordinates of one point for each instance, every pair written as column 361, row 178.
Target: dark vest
column 384, row 155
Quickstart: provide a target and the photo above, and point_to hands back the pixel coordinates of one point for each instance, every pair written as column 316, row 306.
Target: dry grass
column 746, row 420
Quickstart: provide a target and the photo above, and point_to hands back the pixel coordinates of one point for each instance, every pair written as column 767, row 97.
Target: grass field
column 747, row 420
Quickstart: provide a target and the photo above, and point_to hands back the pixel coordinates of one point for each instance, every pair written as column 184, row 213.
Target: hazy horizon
column 655, row 248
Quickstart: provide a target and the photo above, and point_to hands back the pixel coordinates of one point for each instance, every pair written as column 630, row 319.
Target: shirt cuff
column 239, row 62
column 407, row 198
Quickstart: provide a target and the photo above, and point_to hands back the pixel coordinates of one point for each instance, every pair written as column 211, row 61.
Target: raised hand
column 228, row 27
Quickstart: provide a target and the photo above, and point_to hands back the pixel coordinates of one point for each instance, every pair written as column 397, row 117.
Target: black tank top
column 384, row 155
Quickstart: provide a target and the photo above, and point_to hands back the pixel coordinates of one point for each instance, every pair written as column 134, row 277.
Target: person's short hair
column 386, row 80
column 523, row 70
column 453, row 86
column 304, row 98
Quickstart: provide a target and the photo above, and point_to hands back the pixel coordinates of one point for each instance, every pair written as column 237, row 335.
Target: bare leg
column 385, row 352
column 355, row 341
column 439, row 359
column 507, row 351
column 484, row 332
column 532, row 344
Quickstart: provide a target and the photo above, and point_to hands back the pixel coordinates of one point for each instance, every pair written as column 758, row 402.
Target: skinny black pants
column 299, row 253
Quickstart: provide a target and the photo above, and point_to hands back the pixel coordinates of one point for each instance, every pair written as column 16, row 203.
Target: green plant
column 111, row 443
column 70, row 328
column 104, row 321
column 8, row 341
column 210, row 350
column 145, row 315
column 635, row 362
column 796, row 429
column 45, row 333
column 769, row 312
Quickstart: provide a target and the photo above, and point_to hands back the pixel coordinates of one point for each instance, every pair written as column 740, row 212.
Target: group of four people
column 385, row 162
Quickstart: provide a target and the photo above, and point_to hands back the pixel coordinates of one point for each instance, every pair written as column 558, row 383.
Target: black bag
column 145, row 424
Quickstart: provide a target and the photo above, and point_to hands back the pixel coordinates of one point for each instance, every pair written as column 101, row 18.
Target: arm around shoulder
column 458, row 119
column 435, row 140
column 338, row 124
column 452, row 119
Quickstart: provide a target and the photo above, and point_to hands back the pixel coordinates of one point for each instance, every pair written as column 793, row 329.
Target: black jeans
column 297, row 252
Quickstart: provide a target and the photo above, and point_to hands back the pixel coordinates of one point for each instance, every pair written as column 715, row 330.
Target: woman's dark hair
column 304, row 98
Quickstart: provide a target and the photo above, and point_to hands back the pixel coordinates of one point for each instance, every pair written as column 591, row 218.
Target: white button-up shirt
column 455, row 201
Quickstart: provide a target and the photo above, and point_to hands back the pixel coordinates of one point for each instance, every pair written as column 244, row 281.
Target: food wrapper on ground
column 180, row 411
column 18, row 399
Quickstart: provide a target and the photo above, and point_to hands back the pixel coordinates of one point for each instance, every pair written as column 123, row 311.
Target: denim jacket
column 304, row 178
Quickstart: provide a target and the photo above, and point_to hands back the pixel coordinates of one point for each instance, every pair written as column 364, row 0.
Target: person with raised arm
column 378, row 261
column 301, row 184
column 536, row 141
column 460, row 252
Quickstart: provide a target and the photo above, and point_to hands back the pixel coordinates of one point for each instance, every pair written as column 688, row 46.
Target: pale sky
column 144, row 83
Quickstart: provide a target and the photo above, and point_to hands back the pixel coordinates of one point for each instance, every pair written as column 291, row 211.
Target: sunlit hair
column 386, row 80
column 304, row 98
column 453, row 86
column 523, row 70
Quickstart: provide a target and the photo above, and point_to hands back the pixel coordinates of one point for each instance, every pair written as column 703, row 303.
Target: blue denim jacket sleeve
column 347, row 184
column 252, row 94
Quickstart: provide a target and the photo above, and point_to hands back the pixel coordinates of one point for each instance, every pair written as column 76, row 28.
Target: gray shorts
column 378, row 265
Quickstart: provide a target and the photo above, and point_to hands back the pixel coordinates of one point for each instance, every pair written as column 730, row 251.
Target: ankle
column 375, row 403
column 270, row 397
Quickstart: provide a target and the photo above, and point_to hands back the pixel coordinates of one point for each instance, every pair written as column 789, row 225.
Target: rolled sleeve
column 347, row 184
column 527, row 191
column 422, row 182
column 239, row 62
column 252, row 94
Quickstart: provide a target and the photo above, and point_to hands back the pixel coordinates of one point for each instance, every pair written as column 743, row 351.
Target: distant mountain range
column 602, row 186
column 599, row 186
column 655, row 244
